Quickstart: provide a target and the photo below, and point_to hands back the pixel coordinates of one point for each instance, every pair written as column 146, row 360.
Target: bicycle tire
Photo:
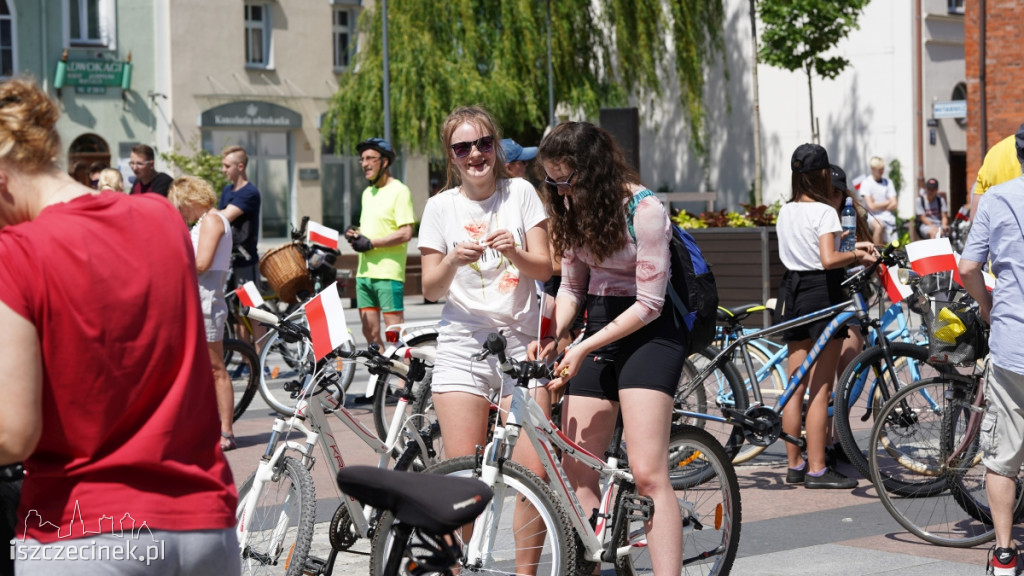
column 412, row 458
column 287, row 503
column 559, row 551
column 242, row 366
column 280, row 399
column 384, row 398
column 868, row 372
column 708, row 492
column 918, row 455
column 723, row 387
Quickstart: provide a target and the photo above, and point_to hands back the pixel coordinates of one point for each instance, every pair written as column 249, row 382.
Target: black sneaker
column 830, row 479
column 796, row 476
column 1002, row 562
column 830, row 457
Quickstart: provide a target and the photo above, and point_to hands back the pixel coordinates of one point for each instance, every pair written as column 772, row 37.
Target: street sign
column 94, row 73
column 952, row 109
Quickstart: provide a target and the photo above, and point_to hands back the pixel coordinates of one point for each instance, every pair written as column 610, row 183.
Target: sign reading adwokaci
column 94, row 73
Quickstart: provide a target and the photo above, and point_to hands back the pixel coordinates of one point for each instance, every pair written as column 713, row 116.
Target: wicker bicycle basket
column 285, row 270
column 956, row 334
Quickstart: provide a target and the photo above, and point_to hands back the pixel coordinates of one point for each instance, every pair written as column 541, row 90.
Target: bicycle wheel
column 771, row 381
column 709, row 500
column 412, row 457
column 385, row 400
column 277, row 391
column 722, row 388
column 866, row 385
column 553, row 554
column 278, row 534
column 921, row 454
column 243, row 366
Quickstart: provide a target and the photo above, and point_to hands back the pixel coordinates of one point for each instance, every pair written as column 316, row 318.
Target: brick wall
column 1004, row 76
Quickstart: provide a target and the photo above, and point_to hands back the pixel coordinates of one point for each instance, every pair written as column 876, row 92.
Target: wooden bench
column 413, row 274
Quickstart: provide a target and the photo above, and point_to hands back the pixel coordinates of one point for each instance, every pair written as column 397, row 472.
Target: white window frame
column 337, row 31
column 107, row 19
column 13, row 17
column 266, row 26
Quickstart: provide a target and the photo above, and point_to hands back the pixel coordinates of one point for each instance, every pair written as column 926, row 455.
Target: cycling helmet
column 380, row 145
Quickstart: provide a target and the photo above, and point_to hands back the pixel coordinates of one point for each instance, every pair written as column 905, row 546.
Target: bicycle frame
column 309, row 410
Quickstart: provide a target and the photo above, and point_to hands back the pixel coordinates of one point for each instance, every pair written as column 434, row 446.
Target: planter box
column 746, row 265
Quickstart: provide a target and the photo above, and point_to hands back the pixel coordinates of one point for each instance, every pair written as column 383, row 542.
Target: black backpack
column 691, row 288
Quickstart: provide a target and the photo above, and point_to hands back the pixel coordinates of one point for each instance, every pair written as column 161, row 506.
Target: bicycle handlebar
column 887, row 257
column 520, row 370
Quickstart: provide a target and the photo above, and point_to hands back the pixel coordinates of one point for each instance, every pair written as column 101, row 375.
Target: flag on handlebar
column 249, row 295
column 317, row 233
column 932, row 256
column 547, row 312
column 896, row 290
column 326, row 318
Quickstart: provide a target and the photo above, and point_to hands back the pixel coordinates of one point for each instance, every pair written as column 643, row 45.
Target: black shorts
column 806, row 292
column 652, row 357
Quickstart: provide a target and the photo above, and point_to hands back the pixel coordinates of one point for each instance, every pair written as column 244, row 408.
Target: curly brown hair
column 593, row 217
column 28, row 133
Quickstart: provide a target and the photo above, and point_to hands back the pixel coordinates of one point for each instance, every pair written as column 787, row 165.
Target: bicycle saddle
column 434, row 504
column 738, row 313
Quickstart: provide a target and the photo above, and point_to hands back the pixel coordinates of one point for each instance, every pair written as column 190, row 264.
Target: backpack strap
column 631, row 208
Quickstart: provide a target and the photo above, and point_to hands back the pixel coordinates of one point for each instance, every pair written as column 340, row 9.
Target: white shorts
column 1002, row 429
column 455, row 371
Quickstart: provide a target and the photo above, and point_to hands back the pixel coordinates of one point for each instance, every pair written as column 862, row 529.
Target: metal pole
column 552, row 121
column 387, row 73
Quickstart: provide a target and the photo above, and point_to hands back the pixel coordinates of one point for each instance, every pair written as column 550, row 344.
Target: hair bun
column 28, row 119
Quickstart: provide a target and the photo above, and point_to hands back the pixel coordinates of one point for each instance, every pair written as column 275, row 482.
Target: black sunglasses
column 566, row 182
column 484, row 145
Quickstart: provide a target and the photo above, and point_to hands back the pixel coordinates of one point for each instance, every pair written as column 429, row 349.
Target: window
column 90, row 22
column 344, row 36
column 7, row 43
column 956, row 6
column 257, row 36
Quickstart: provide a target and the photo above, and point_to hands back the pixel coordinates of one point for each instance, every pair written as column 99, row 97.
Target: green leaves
column 494, row 52
column 797, row 32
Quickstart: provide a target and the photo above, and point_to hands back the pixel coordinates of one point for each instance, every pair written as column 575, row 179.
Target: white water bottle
column 848, row 219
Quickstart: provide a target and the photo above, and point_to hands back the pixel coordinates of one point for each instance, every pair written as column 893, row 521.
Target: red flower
column 508, row 283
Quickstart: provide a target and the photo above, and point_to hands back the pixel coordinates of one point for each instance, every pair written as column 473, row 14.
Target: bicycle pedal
column 314, row 566
column 637, row 508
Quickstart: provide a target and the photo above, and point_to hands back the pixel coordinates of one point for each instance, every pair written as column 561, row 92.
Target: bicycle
column 758, row 424
column 276, row 503
column 567, row 541
column 382, row 391
column 428, row 507
column 242, row 365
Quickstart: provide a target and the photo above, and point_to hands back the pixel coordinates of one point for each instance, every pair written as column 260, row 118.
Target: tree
column 494, row 52
column 797, row 32
column 198, row 163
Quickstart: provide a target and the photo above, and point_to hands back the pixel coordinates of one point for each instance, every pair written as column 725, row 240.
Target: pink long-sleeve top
column 639, row 269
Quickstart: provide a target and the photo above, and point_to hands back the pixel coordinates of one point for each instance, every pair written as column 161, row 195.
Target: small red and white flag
column 326, row 319
column 547, row 314
column 249, row 295
column 990, row 279
column 317, row 233
column 932, row 256
column 896, row 290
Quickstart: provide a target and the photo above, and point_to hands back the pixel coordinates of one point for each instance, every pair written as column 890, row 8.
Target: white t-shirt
column 799, row 226
column 880, row 192
column 488, row 293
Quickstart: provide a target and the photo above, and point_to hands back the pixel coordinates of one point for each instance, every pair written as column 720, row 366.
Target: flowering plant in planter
column 752, row 216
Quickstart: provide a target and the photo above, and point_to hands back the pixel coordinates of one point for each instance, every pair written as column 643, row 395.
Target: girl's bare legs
column 224, row 391
column 792, row 417
column 819, row 378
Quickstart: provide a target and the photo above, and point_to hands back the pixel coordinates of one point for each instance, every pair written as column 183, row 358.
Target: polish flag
column 319, row 234
column 896, row 290
column 547, row 313
column 932, row 256
column 326, row 319
column 249, row 295
column 990, row 279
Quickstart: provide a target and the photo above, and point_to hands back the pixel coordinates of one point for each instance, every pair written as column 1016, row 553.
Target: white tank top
column 222, row 258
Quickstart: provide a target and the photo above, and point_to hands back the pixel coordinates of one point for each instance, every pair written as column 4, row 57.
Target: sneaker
column 830, row 480
column 1002, row 562
column 796, row 476
column 830, row 457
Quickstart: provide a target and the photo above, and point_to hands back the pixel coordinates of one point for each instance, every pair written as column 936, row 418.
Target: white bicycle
column 277, row 502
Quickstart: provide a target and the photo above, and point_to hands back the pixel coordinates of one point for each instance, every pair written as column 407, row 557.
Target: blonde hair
column 485, row 123
column 876, row 162
column 187, row 190
column 110, row 179
column 28, row 137
column 231, row 150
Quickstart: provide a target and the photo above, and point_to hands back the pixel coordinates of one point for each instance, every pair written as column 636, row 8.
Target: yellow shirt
column 384, row 211
column 1000, row 165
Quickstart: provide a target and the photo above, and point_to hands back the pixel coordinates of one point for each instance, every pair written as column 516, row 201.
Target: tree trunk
column 757, row 110
column 810, row 98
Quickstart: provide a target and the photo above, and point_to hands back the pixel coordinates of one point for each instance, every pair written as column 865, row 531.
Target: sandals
column 228, row 442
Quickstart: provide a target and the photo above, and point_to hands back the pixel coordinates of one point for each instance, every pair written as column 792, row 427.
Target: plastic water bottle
column 848, row 219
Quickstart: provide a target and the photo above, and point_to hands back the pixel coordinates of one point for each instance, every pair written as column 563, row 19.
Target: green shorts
column 385, row 295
